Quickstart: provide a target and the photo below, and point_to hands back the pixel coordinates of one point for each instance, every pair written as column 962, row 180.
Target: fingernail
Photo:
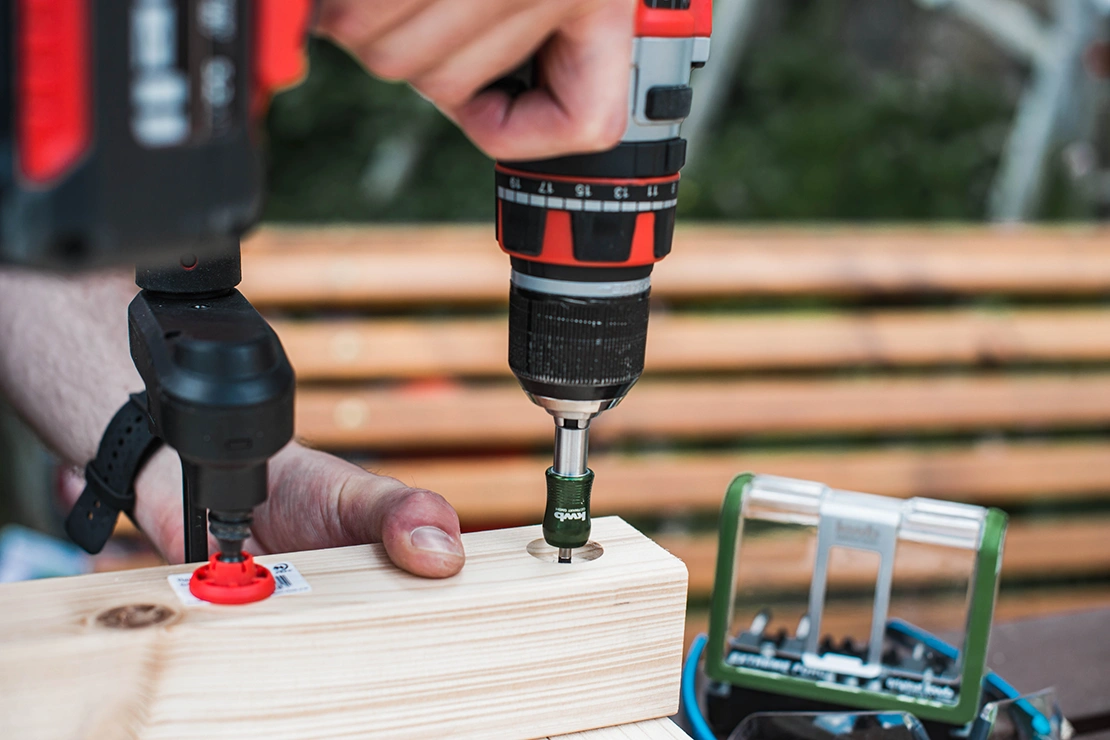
column 434, row 539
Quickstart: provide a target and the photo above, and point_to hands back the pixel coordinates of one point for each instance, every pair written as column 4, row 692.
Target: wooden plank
column 510, row 647
column 656, row 729
column 391, row 418
column 665, row 483
column 1012, row 605
column 1034, row 549
column 455, row 263
column 361, row 349
column 991, row 473
column 388, row 348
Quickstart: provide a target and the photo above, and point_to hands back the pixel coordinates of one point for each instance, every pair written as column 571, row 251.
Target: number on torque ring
column 546, row 188
column 652, row 191
column 514, row 183
column 582, row 191
column 620, row 193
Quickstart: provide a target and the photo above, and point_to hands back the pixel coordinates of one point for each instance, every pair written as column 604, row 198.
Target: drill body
column 129, row 134
column 128, row 129
column 583, row 233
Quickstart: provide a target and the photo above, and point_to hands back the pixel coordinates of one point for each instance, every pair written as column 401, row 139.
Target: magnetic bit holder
column 566, row 519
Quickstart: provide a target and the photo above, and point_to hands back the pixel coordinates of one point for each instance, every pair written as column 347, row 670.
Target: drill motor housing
column 129, row 133
column 128, row 129
column 584, row 231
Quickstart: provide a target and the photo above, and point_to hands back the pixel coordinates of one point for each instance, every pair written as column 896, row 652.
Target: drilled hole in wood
column 135, row 616
column 545, row 552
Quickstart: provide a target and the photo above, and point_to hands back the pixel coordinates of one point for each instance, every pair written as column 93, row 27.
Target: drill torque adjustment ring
column 585, row 222
column 222, row 582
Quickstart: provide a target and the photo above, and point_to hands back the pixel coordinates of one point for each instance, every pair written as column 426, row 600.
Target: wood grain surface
column 512, row 647
column 1060, row 549
column 995, row 473
column 364, row 349
column 460, row 264
column 391, row 418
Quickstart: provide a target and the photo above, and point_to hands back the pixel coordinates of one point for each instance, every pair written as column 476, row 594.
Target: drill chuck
column 577, row 344
column 230, row 529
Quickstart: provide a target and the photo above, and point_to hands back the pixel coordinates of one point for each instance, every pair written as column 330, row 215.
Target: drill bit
column 231, row 529
column 566, row 521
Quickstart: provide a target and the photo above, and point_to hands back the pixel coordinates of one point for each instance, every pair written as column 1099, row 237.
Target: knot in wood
column 135, row 616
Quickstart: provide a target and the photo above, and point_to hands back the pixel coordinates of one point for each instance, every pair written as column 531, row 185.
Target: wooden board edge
column 656, row 729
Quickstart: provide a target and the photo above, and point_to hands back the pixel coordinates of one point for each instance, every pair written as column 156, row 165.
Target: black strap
column 110, row 477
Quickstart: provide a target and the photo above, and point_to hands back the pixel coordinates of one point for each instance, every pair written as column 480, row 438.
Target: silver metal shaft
column 571, row 450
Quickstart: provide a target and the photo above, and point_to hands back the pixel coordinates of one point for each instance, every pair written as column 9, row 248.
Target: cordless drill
column 129, row 133
column 584, row 232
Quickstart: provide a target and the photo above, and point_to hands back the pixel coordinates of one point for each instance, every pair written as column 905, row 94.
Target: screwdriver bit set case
column 818, row 591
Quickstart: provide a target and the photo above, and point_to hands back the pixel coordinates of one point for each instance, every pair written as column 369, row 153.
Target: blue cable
column 1041, row 724
column 694, row 717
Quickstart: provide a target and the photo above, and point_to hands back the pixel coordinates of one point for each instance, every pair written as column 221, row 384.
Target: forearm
column 64, row 360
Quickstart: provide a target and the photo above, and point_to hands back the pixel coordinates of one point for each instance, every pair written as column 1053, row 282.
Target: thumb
column 419, row 529
column 317, row 500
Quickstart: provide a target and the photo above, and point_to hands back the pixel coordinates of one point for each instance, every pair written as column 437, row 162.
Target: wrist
column 124, row 448
column 158, row 501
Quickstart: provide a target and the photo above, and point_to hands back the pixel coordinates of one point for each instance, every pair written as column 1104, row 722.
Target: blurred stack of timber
column 964, row 363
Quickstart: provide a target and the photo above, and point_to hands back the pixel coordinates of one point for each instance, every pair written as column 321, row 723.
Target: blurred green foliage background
column 818, row 125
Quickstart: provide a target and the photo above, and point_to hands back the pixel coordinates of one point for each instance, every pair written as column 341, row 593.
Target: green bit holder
column 566, row 521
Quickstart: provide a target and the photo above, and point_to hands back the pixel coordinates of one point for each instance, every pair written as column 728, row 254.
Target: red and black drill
column 129, row 132
column 584, row 232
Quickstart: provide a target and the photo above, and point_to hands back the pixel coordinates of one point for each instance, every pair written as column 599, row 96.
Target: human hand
column 450, row 50
column 316, row 500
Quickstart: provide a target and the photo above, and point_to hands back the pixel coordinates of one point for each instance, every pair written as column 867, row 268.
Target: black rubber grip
column 630, row 159
column 562, row 341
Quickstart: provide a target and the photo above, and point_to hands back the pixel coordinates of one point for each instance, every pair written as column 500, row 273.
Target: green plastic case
column 938, row 523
